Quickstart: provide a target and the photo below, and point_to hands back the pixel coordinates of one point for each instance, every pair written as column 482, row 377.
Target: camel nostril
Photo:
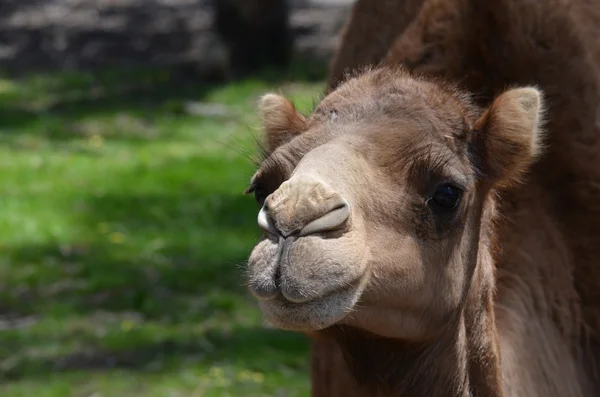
column 332, row 220
column 265, row 222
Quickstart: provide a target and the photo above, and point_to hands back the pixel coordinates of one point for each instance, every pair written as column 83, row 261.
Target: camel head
column 375, row 208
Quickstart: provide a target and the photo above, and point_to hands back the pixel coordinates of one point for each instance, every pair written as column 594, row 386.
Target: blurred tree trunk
column 256, row 33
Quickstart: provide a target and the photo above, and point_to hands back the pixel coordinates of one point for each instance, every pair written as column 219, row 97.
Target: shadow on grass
column 254, row 349
column 54, row 102
column 150, row 252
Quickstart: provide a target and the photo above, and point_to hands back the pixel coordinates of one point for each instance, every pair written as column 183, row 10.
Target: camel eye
column 446, row 197
column 260, row 195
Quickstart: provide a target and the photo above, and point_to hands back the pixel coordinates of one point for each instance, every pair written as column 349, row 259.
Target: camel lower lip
column 313, row 315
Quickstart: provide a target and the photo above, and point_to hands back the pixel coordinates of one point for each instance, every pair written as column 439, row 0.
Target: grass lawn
column 124, row 231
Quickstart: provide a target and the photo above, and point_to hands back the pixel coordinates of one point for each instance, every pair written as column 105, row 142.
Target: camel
column 433, row 223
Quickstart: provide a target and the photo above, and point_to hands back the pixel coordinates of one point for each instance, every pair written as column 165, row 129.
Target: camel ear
column 281, row 121
column 510, row 135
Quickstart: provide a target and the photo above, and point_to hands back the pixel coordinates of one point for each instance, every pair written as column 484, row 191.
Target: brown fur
column 281, row 121
column 368, row 41
column 526, row 319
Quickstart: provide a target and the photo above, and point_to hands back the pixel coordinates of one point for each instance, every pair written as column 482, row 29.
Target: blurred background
column 127, row 129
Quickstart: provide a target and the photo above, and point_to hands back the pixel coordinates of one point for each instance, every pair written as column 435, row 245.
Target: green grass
column 124, row 231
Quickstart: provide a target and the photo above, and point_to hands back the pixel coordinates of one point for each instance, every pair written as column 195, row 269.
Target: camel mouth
column 316, row 314
column 308, row 282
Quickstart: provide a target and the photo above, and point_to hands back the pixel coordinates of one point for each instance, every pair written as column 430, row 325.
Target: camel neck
column 462, row 361
column 389, row 367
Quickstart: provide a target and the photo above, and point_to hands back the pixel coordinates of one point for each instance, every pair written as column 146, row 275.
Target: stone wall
column 83, row 34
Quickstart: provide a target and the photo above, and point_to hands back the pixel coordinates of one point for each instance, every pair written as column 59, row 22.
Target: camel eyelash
column 433, row 162
column 249, row 190
column 429, row 166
